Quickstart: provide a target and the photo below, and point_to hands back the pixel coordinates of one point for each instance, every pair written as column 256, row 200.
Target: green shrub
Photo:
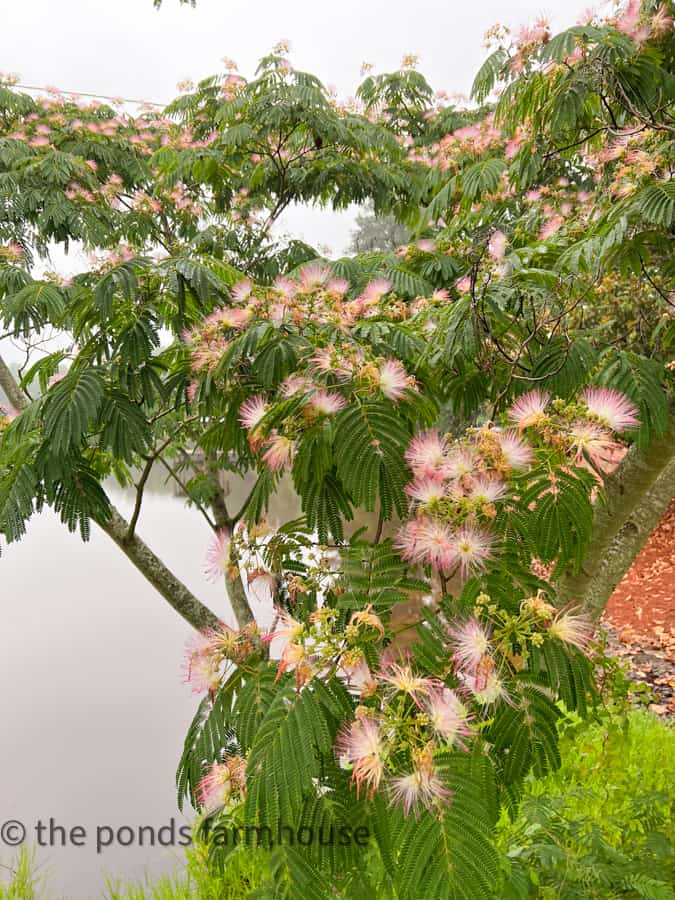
column 601, row 826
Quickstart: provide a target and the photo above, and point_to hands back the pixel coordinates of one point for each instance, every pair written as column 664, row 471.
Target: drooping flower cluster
column 407, row 721
column 334, row 368
column 457, row 486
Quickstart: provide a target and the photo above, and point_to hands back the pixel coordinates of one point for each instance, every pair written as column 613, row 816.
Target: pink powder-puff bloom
column 448, row 716
column 435, row 544
column 291, row 656
column 279, row 453
column 201, row 666
column 422, row 787
column 376, row 290
column 661, row 22
column 612, row 407
column 497, row 245
column 252, row 411
column 426, row 245
column 486, row 688
column 232, row 317
column 426, row 455
column 363, row 745
column 471, row 548
column 529, row 409
column 287, row 288
column 472, row 644
column 487, row 489
column 629, row 20
column 294, row 384
column 407, row 539
column 327, row 403
column 404, row 680
column 550, row 227
column 440, row 295
column 394, row 380
column 573, row 629
column 426, row 490
column 463, row 285
column 359, row 676
column 217, row 557
column 338, row 286
column 515, row 451
column 460, row 462
column 224, row 781
column 592, row 441
column 241, row 291
column 313, row 275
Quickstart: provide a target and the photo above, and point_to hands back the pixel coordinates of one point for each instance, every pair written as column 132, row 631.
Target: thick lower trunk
column 637, row 495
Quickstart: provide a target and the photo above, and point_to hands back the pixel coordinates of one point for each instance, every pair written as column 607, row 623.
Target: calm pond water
column 92, row 707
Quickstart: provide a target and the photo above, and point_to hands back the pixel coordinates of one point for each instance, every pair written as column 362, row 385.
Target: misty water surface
column 92, row 707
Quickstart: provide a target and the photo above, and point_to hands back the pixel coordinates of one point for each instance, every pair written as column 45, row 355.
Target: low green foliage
column 601, row 826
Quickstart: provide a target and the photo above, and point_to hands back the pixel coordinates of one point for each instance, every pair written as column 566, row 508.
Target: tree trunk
column 637, row 495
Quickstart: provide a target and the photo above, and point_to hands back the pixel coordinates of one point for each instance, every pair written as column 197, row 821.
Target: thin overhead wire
column 50, row 90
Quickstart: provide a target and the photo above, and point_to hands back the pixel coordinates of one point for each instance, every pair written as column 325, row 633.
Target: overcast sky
column 127, row 48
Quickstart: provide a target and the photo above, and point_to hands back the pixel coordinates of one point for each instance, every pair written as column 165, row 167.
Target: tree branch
column 137, row 551
column 160, row 577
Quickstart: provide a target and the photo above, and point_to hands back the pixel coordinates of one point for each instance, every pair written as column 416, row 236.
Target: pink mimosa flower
column 242, row 290
column 459, row 463
column 472, row 643
column 287, row 627
column 435, row 544
column 426, row 245
column 574, row 629
column 293, row 385
column 486, row 688
column 596, row 443
column 223, row 781
column 279, row 453
column 422, row 787
column 327, row 403
column 201, row 666
column 471, row 548
column 425, row 454
column 376, row 290
column 403, row 679
column 426, row 490
column 338, row 286
column 448, row 716
column 394, row 380
column 529, row 409
column 497, row 245
column 612, row 407
column 463, row 285
column 362, row 745
column 516, row 452
column 217, row 557
column 313, row 275
column 252, row 411
column 487, row 489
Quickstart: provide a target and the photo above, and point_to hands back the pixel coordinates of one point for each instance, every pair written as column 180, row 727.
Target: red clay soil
column 640, row 615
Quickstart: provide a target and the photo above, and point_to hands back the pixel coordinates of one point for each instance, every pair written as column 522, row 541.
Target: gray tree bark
column 637, row 495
